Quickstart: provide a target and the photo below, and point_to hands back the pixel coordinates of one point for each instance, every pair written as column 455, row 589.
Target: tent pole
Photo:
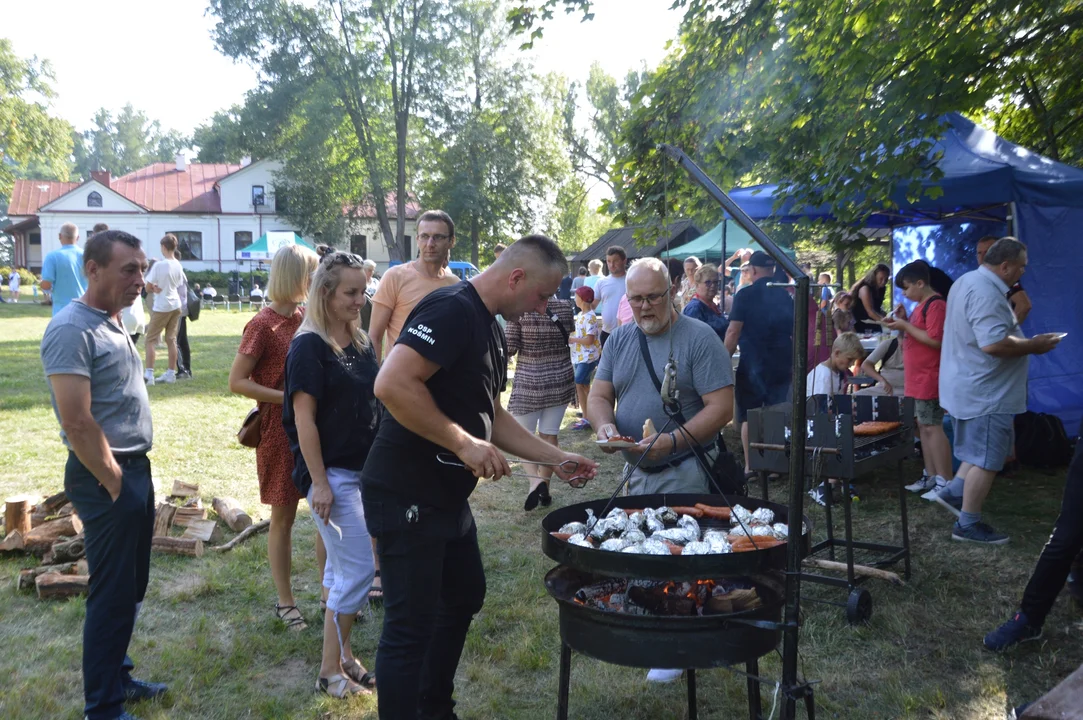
column 1013, row 222
column 788, row 264
column 722, row 258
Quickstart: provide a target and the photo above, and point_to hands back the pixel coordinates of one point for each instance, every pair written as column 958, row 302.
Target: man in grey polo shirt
column 983, row 382
column 704, row 385
column 704, row 381
column 96, row 383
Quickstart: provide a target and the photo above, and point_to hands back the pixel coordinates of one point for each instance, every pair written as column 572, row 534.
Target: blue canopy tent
column 992, row 186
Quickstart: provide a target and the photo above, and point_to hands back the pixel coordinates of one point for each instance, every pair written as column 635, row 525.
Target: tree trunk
column 231, row 513
column 17, row 511
column 178, row 546
column 402, row 129
column 41, row 539
column 475, row 238
column 55, row 585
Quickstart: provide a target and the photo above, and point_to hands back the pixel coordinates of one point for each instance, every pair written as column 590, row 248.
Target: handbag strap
column 646, row 353
column 560, row 326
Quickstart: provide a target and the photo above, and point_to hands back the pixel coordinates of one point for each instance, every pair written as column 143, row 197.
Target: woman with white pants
column 330, row 417
column 544, row 382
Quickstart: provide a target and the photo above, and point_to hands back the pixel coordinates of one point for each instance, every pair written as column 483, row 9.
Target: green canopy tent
column 717, row 244
column 269, row 243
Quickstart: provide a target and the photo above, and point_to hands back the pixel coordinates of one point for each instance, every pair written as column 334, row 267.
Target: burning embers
column 677, row 530
column 721, row 596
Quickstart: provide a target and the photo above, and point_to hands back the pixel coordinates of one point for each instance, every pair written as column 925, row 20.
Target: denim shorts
column 984, row 441
column 546, row 422
column 583, row 371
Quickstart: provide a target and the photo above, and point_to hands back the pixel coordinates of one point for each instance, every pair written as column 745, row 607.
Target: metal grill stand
column 837, row 453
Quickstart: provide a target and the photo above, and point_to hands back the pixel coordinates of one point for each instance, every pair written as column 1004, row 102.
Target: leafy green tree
column 836, row 99
column 124, row 143
column 495, row 139
column 377, row 58
column 29, row 135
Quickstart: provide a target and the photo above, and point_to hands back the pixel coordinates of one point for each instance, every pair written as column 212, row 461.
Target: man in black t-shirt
column 761, row 322
column 441, row 384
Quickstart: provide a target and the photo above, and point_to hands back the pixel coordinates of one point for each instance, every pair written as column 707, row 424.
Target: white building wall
column 217, row 232
column 235, row 190
column 76, row 201
column 376, row 248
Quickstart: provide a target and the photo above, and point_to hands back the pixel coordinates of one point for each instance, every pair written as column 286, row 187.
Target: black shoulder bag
column 726, row 474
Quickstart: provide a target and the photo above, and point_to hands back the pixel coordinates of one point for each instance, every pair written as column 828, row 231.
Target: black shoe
column 137, row 690
column 545, row 497
column 535, row 497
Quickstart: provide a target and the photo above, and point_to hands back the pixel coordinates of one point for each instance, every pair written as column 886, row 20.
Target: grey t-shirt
column 973, row 383
column 703, row 366
column 83, row 341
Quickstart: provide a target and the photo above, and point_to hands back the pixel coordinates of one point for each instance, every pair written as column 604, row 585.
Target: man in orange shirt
column 403, row 286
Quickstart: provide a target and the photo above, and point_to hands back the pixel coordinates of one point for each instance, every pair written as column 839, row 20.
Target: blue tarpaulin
column 989, row 185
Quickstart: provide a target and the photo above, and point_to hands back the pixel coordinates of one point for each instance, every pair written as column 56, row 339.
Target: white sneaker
column 927, row 482
column 148, row 376
column 658, row 675
column 168, row 377
column 932, row 492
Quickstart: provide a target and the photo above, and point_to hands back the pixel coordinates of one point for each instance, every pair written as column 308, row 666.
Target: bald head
column 69, row 234
column 523, row 278
column 649, row 270
column 533, row 252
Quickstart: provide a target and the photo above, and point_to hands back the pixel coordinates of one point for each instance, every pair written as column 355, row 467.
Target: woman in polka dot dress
column 259, row 372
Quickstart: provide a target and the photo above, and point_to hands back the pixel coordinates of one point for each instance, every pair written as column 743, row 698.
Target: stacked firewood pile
column 51, row 532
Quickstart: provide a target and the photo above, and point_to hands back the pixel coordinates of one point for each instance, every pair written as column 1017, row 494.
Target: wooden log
column 184, row 516
column 13, row 542
column 231, row 513
column 163, row 518
column 1062, row 702
column 69, row 550
column 183, row 489
column 17, row 512
column 25, row 580
column 242, row 536
column 53, row 503
column 38, row 517
column 204, row 530
column 863, row 570
column 40, row 540
column 178, row 546
column 55, row 585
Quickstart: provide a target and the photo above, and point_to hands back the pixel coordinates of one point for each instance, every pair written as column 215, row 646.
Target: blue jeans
column 118, row 535
column 350, row 569
column 433, row 584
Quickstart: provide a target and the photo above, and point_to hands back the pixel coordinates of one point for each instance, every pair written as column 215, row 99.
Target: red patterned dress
column 267, row 338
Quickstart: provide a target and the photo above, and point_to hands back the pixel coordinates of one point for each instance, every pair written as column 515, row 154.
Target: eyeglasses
column 437, row 237
column 652, row 299
column 710, row 283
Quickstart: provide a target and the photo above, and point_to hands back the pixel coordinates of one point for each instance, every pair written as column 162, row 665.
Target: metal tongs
column 446, row 458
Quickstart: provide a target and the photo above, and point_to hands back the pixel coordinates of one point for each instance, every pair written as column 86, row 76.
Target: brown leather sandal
column 339, row 686
column 356, row 672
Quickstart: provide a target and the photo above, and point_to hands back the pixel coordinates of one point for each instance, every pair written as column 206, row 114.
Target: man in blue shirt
column 762, row 323
column 62, row 272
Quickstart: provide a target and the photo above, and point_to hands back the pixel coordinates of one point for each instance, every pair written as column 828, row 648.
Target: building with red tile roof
column 214, row 209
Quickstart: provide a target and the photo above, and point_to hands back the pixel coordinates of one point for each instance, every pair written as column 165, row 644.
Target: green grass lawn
column 208, row 626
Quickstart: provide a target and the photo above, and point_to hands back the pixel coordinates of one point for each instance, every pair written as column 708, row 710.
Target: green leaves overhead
column 29, row 134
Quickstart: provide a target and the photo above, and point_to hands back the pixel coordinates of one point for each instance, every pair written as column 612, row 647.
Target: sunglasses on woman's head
column 343, row 258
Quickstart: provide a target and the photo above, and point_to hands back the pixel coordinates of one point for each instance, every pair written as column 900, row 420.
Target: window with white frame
column 189, row 244
column 241, row 240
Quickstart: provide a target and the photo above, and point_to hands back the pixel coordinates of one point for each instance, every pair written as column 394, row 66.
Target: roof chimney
column 102, row 176
column 246, row 161
column 182, row 163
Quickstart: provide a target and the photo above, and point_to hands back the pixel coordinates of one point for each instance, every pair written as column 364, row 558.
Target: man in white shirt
column 609, row 290
column 164, row 280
